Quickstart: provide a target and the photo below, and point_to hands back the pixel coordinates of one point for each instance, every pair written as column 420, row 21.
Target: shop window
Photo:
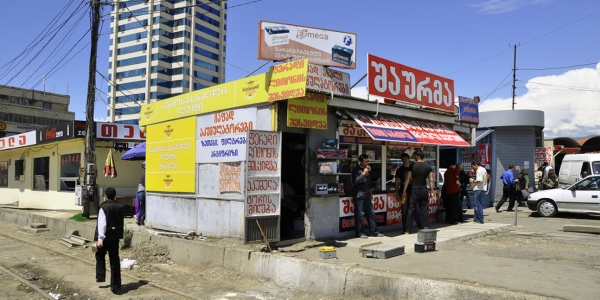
column 41, row 172
column 19, row 168
column 3, row 173
column 69, row 171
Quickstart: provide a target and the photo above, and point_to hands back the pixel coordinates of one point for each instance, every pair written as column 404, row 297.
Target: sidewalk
column 432, row 275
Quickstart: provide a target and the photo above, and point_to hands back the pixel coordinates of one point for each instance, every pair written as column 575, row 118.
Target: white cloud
column 570, row 101
column 100, row 119
column 503, row 6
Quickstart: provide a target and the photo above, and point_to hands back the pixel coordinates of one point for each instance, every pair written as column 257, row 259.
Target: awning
column 482, row 133
column 384, row 127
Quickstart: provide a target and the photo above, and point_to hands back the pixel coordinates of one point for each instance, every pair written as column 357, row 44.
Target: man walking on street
column 362, row 198
column 479, row 189
column 419, row 198
column 108, row 232
column 452, row 187
column 508, row 191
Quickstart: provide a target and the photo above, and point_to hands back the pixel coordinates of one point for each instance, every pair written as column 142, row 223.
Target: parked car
column 581, row 197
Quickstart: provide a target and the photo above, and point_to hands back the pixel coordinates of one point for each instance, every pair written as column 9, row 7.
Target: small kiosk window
column 3, row 173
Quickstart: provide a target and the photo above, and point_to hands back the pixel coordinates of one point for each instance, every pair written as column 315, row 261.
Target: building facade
column 159, row 49
column 23, row 110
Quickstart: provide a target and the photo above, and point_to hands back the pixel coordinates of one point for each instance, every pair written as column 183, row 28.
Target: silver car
column 581, row 197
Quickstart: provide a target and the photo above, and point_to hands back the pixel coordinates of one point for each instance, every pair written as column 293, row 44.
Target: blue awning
column 481, row 133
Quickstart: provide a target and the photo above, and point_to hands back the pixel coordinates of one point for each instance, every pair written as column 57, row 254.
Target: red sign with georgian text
column 398, row 82
column 116, row 131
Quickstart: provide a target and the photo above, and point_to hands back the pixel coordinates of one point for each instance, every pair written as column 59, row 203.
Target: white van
column 575, row 166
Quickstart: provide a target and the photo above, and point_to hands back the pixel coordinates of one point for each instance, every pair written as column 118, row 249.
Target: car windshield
column 590, row 183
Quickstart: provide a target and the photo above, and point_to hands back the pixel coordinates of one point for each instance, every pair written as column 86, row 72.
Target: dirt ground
column 535, row 239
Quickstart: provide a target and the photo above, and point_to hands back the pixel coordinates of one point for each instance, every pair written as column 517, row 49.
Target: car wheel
column 547, row 208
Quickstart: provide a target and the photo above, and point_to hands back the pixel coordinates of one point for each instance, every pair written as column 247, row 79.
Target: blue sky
column 468, row 41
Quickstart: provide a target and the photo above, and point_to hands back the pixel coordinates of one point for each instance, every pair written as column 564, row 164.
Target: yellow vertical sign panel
column 171, row 156
column 309, row 111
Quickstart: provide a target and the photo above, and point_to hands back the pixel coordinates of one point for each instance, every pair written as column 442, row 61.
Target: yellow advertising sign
column 288, row 80
column 171, row 156
column 309, row 111
column 282, row 82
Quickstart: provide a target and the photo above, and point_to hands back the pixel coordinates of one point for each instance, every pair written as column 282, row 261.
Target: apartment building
column 163, row 48
column 23, row 110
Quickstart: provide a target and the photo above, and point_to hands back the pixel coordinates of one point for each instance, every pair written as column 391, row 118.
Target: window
column 133, row 122
column 208, row 19
column 208, row 66
column 47, row 105
column 206, row 41
column 131, row 61
column 585, row 169
column 207, row 30
column 131, row 85
column 132, row 37
column 3, row 173
column 133, row 25
column 131, row 73
column 206, row 53
column 131, row 49
column 41, row 173
column 69, row 171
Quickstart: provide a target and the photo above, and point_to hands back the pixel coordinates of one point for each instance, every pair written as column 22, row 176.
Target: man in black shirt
column 362, row 198
column 419, row 196
column 405, row 202
column 108, row 232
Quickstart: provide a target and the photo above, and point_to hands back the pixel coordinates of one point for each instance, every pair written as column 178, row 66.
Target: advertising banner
column 282, row 81
column 170, row 156
column 327, row 80
column 400, row 129
column 221, row 137
column 543, row 154
column 485, row 155
column 18, row 140
column 116, row 131
column 64, row 131
column 263, row 174
column 309, row 111
column 469, row 110
column 394, row 81
column 280, row 41
column 351, row 133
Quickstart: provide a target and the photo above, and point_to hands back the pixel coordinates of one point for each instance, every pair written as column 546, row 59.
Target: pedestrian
column 524, row 187
column 452, row 188
column 140, row 200
column 550, row 180
column 479, row 189
column 419, row 198
column 109, row 231
column 464, row 181
column 401, row 173
column 362, row 198
column 508, row 189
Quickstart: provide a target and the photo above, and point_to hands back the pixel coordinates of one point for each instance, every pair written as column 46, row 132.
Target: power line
column 566, row 87
column 557, row 68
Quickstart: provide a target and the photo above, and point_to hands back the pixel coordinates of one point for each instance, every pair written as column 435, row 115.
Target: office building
column 23, row 110
column 160, row 49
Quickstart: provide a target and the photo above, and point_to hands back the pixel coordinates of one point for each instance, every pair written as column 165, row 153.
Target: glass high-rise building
column 163, row 48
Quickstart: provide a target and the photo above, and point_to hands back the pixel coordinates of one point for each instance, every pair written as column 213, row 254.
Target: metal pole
column 514, row 78
column 90, row 156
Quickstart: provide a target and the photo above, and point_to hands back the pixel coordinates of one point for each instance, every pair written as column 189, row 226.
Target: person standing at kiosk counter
column 419, row 198
column 480, row 183
column 401, row 174
column 362, row 199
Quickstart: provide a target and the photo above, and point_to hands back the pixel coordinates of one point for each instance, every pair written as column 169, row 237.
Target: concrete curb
column 290, row 272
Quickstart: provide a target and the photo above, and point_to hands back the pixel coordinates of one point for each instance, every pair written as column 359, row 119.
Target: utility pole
column 514, row 77
column 90, row 147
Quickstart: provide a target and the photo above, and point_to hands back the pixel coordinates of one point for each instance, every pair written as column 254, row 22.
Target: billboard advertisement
column 64, row 131
column 397, row 82
column 280, row 41
column 328, row 81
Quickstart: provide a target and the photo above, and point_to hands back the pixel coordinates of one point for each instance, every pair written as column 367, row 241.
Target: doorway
column 293, row 181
